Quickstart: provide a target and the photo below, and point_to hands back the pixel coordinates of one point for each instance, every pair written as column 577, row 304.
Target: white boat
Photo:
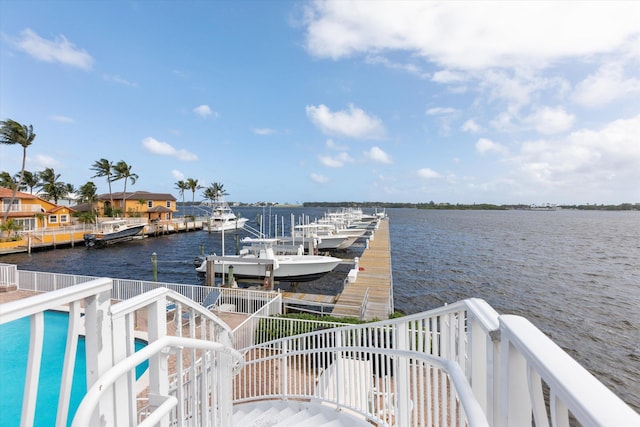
column 325, row 237
column 112, row 231
column 259, row 258
column 222, row 217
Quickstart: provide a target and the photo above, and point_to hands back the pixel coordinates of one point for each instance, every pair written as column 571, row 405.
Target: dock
column 372, row 289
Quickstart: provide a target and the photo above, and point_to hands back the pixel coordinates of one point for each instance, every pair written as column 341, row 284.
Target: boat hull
column 99, row 239
column 226, row 225
column 297, row 268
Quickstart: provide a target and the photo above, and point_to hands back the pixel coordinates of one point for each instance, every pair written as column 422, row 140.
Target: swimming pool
column 14, row 351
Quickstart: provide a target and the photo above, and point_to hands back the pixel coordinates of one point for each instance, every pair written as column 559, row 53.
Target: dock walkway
column 373, row 285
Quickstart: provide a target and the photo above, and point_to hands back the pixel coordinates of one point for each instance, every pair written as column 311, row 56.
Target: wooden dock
column 373, row 285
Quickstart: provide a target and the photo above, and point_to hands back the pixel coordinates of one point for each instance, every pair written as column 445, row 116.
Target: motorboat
column 324, row 237
column 258, row 259
column 223, row 218
column 113, row 231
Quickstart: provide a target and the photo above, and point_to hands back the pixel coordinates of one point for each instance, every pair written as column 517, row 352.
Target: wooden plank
column 373, row 280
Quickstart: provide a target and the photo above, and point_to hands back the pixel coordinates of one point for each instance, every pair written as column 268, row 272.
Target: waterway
column 574, row 274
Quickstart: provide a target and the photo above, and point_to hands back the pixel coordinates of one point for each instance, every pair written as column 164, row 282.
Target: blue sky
column 463, row 102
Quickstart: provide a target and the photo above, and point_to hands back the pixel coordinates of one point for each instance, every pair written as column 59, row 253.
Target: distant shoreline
column 440, row 206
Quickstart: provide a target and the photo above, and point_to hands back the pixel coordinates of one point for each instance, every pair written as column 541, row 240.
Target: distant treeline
column 475, row 206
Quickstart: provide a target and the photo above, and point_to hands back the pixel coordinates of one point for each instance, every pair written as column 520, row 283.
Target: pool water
column 14, row 351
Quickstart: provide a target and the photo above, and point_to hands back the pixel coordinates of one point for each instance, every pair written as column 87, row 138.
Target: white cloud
column 321, row 179
column 333, row 146
column 58, row 50
column 336, row 161
column 376, row 154
column 177, row 174
column 448, row 76
column 428, row 173
column 549, row 121
column 605, row 159
column 119, row 80
column 61, row 119
column 204, row 111
column 440, row 111
column 163, row 149
column 264, row 131
column 471, row 126
column 471, row 35
column 351, row 123
column 605, row 86
column 485, row 145
column 42, row 161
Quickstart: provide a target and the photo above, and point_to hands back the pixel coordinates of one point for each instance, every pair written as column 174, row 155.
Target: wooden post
column 211, row 272
column 154, row 266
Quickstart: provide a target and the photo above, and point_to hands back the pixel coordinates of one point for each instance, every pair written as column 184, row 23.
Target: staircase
column 278, row 413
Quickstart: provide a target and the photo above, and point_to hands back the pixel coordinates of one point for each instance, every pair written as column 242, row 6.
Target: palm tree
column 51, row 187
column 88, row 193
column 219, row 190
column 12, row 132
column 7, row 181
column 192, row 184
column 104, row 167
column 30, row 181
column 182, row 186
column 123, row 171
column 71, row 192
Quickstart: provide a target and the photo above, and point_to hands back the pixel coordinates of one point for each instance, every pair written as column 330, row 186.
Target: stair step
column 278, row 413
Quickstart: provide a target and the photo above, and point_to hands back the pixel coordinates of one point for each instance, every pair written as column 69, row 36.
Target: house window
column 64, row 218
column 53, row 219
column 150, row 203
column 167, row 216
column 169, row 203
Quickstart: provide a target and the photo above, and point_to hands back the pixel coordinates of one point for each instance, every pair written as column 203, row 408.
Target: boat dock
column 372, row 289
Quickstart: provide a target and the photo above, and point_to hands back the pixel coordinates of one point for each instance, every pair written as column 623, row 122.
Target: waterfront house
column 33, row 217
column 142, row 204
column 31, row 212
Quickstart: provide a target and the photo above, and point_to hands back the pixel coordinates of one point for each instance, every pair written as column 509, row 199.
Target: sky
column 300, row 101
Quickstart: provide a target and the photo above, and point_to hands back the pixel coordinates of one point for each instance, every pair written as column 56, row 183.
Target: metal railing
column 513, row 372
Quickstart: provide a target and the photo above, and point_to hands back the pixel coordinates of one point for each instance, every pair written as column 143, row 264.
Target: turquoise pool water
column 14, row 350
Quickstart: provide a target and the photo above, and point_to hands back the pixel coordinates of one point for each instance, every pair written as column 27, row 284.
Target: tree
column 88, row 193
column 123, row 171
column 71, row 192
column 214, row 192
column 10, row 226
column 182, row 186
column 12, row 133
column 192, row 184
column 104, row 167
column 51, row 187
column 7, row 181
column 30, row 181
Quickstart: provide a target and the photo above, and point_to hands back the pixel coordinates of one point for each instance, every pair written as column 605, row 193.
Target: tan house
column 31, row 212
column 143, row 204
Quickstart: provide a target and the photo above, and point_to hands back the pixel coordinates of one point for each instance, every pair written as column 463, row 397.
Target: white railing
column 212, row 383
column 235, row 300
column 194, row 342
column 508, row 363
column 531, row 364
column 93, row 297
column 244, row 335
column 8, row 275
column 4, row 207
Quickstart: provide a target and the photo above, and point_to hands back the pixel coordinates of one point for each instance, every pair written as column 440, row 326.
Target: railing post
column 515, row 406
column 99, row 351
column 402, row 379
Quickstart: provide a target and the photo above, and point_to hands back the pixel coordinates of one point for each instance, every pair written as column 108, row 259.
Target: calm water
column 575, row 275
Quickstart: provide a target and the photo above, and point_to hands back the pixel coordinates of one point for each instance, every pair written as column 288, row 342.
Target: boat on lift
column 113, row 231
column 258, row 259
